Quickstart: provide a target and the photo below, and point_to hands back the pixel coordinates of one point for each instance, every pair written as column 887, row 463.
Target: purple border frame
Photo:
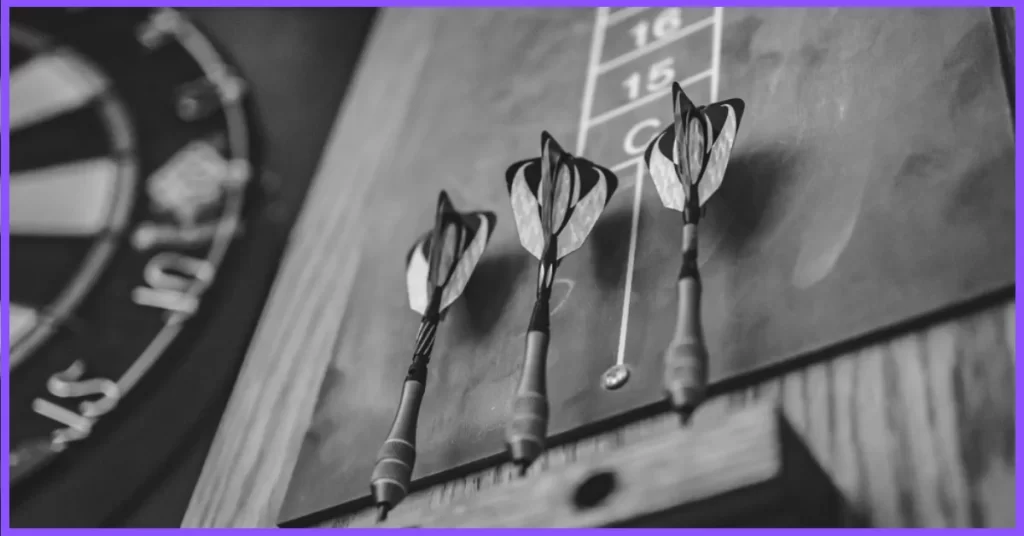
column 5, row 137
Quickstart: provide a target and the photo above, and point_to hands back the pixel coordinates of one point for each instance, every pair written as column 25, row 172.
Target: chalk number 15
column 659, row 76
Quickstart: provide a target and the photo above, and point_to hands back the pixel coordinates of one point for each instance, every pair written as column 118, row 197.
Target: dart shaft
column 528, row 428
column 687, row 356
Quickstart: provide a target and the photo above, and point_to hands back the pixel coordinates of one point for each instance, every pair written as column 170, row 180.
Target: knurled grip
column 685, row 375
column 527, row 431
column 396, row 458
column 686, row 358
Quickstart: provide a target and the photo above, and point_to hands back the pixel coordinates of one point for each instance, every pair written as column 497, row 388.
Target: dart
column 687, row 162
column 556, row 201
column 438, row 267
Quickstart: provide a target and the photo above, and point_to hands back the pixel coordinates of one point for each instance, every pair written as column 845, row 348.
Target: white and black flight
column 687, row 162
column 556, row 200
column 438, row 267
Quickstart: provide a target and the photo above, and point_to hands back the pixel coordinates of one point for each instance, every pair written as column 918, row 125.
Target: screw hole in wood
column 594, row 490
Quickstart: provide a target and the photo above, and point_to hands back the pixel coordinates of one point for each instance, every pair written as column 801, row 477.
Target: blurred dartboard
column 129, row 164
column 145, row 235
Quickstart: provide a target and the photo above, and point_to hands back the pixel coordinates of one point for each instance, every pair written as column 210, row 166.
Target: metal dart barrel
column 439, row 266
column 556, row 199
column 687, row 163
column 528, row 428
column 392, row 473
column 526, row 433
column 686, row 358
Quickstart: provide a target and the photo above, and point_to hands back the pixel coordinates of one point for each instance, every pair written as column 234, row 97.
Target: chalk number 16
column 669, row 20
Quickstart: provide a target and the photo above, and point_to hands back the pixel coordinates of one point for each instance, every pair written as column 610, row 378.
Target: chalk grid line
column 603, row 20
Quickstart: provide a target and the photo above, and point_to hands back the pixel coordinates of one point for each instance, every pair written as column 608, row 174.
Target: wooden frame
column 749, row 470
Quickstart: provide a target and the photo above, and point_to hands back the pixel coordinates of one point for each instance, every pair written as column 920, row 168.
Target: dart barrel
column 396, row 458
column 527, row 430
column 686, row 357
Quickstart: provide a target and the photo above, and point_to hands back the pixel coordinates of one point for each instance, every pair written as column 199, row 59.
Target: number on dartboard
column 659, row 76
column 69, row 384
column 170, row 278
column 667, row 21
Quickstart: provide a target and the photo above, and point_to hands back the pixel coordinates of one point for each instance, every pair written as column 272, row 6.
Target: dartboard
column 129, row 168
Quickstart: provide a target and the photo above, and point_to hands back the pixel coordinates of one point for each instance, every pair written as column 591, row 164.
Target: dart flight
column 556, row 201
column 687, row 162
column 693, row 152
column 437, row 269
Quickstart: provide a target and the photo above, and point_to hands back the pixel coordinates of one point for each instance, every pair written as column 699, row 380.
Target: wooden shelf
column 748, row 470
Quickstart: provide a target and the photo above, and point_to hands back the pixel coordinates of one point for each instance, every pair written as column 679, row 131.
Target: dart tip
column 382, row 512
column 523, row 467
column 685, row 415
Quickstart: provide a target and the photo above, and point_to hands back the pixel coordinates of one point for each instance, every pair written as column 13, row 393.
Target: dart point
column 683, row 398
column 386, row 493
column 523, row 451
column 685, row 415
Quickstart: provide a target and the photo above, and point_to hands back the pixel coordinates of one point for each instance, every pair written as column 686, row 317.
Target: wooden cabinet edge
column 749, row 470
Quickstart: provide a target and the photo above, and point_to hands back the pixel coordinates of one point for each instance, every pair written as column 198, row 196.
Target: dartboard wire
column 210, row 62
column 213, row 67
column 119, row 128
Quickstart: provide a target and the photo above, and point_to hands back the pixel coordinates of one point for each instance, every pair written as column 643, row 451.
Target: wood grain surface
column 917, row 431
column 896, row 424
column 272, row 404
column 746, row 470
